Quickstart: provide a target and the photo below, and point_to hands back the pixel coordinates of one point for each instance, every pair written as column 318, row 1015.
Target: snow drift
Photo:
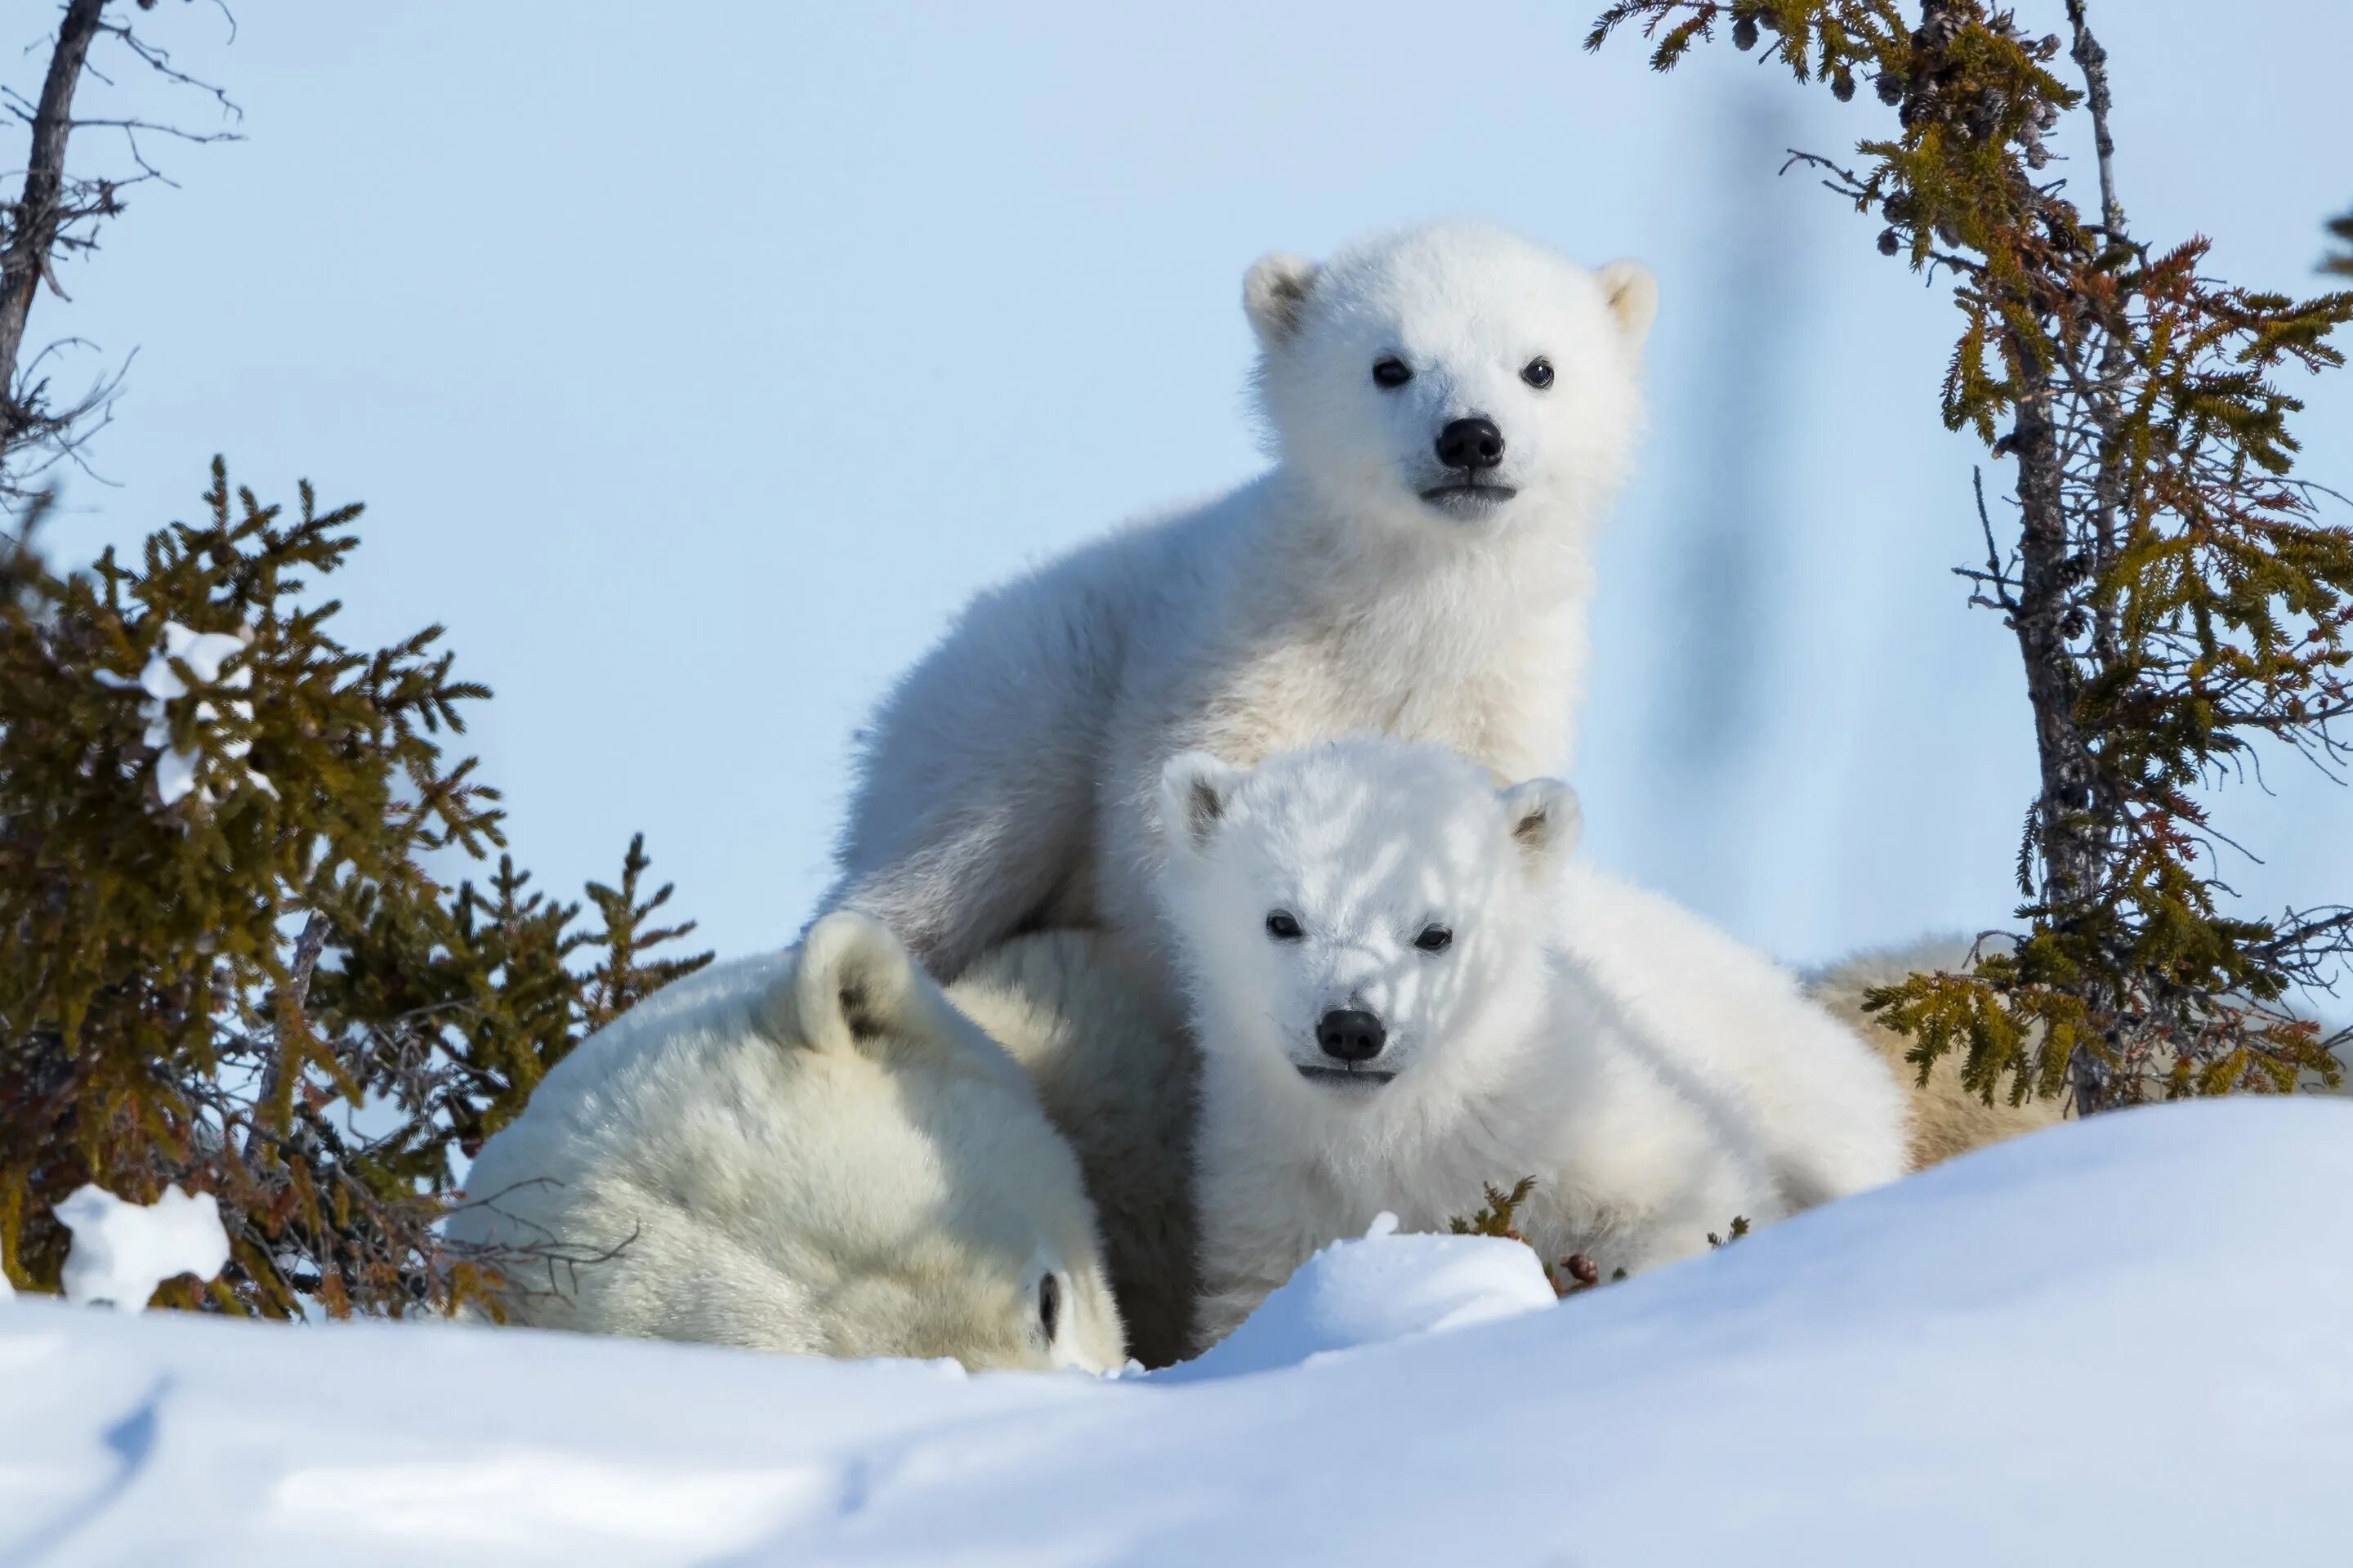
column 2114, row 1342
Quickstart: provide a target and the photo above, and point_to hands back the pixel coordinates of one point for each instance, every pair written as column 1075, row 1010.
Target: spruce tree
column 225, row 961
column 2178, row 596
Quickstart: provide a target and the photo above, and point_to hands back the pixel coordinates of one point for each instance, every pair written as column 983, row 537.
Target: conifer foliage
column 225, row 960
column 2176, row 593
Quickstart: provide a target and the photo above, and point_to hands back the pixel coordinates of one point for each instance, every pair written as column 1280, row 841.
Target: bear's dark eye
column 1537, row 373
column 1049, row 1306
column 1434, row 939
column 1284, row 926
column 1391, row 371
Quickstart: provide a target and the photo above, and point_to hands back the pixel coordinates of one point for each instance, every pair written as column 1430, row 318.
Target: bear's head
column 1451, row 377
column 1357, row 921
column 947, row 1214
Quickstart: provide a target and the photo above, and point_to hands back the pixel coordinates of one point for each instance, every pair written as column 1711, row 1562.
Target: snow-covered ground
column 2121, row 1343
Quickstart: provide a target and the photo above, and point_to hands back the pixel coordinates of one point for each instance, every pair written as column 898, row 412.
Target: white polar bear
column 812, row 1152
column 1452, row 408
column 1386, row 1022
column 1119, row 1085
column 1947, row 1116
column 1829, row 1115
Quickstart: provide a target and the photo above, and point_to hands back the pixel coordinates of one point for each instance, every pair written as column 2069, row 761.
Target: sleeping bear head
column 941, row 1210
column 1358, row 923
column 1451, row 377
column 810, row 1151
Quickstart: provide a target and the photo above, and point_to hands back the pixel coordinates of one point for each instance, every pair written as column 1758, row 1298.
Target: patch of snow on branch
column 122, row 1251
column 204, row 653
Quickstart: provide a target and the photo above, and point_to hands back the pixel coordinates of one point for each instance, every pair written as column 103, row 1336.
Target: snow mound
column 2117, row 1341
column 121, row 1251
column 1371, row 1292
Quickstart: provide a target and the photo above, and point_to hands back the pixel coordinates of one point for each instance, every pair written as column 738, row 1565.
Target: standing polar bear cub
column 1452, row 407
column 811, row 1152
column 1403, row 992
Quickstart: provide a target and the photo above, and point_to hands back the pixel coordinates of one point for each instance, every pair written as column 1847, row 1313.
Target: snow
column 2112, row 1342
column 203, row 653
column 1383, row 1288
column 122, row 1251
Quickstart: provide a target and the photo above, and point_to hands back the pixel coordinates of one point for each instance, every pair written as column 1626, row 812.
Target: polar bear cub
column 1451, row 409
column 811, row 1152
column 1386, row 1022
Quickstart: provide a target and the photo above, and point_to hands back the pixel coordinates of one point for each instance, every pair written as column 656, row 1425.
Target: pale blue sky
column 695, row 365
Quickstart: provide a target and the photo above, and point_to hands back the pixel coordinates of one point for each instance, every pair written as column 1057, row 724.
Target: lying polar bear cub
column 808, row 1151
column 1396, row 1006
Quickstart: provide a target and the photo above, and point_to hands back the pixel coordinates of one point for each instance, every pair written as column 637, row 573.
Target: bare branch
column 160, row 61
column 34, row 231
column 2092, row 60
column 54, row 216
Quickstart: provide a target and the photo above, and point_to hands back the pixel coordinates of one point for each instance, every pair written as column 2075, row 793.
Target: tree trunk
column 2072, row 835
column 38, row 213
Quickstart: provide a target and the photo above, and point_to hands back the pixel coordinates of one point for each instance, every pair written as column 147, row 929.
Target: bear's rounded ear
column 1632, row 292
column 855, row 989
column 1545, row 817
column 1274, row 296
column 1195, row 788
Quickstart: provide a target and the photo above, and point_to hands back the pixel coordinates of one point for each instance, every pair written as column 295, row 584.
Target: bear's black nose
column 1470, row 444
column 1350, row 1036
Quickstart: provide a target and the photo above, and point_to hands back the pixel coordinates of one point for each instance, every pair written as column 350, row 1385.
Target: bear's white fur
column 810, row 1151
column 1948, row 1117
column 1122, row 1089
column 1119, row 1085
column 1828, row 1115
column 1008, row 781
column 1374, row 877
